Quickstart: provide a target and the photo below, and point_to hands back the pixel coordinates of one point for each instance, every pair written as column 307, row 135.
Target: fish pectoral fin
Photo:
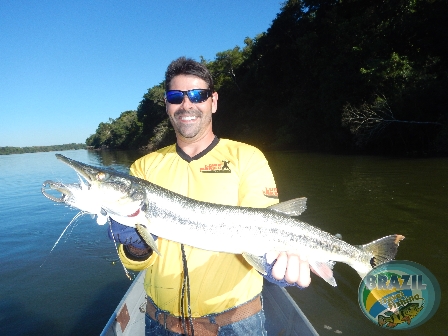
column 147, row 237
column 292, row 207
column 255, row 261
column 324, row 270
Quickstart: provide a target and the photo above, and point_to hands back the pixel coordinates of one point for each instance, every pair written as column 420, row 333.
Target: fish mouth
column 84, row 171
column 56, row 186
column 89, row 173
column 98, row 188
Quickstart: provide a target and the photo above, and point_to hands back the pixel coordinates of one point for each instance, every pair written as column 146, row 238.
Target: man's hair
column 187, row 66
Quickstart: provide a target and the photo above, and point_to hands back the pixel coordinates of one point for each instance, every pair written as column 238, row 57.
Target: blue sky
column 66, row 66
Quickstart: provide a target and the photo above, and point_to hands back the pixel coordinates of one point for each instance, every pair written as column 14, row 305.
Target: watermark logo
column 399, row 295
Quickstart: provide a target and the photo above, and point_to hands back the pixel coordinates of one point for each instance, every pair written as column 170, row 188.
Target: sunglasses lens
column 195, row 96
column 174, row 97
column 198, row 95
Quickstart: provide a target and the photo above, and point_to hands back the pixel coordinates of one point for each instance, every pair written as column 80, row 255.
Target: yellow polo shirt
column 227, row 172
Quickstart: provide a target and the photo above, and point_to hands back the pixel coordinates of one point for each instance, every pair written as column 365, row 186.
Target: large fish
column 251, row 232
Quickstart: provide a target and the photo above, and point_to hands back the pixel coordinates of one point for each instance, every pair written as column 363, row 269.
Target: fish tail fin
column 382, row 251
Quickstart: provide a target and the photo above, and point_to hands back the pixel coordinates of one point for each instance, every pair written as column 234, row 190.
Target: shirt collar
column 188, row 158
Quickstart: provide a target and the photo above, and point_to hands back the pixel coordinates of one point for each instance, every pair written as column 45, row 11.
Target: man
column 216, row 293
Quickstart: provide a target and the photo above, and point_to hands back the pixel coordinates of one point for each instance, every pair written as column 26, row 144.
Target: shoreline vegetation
column 360, row 77
column 35, row 149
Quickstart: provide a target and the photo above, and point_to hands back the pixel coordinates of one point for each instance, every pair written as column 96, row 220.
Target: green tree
column 102, row 136
column 125, row 130
column 151, row 112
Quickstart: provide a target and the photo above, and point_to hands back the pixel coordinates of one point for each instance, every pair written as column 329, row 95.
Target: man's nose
column 186, row 102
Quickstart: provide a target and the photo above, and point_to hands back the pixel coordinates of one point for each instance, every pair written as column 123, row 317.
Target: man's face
column 191, row 121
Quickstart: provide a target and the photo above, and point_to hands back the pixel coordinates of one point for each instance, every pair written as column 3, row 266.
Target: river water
column 74, row 288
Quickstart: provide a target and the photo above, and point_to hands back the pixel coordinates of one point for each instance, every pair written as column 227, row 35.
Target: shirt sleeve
column 135, row 265
column 257, row 185
column 137, row 169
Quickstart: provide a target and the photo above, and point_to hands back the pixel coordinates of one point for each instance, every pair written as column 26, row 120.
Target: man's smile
column 188, row 118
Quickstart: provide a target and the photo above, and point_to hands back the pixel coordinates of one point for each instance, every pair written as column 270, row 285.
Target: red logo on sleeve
column 270, row 192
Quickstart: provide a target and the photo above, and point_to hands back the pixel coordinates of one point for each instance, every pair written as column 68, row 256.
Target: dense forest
column 35, row 149
column 368, row 76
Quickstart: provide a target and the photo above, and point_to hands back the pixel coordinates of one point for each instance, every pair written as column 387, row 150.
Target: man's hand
column 134, row 246
column 290, row 267
column 125, row 235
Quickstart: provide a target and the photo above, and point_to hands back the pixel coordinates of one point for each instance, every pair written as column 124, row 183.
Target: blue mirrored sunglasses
column 195, row 96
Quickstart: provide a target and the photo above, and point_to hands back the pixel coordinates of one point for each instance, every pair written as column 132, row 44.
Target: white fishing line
column 79, row 214
column 116, row 249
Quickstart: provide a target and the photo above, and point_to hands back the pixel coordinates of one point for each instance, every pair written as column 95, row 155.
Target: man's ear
column 214, row 101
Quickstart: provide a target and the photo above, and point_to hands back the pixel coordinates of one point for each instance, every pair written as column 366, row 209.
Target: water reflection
column 365, row 198
column 115, row 158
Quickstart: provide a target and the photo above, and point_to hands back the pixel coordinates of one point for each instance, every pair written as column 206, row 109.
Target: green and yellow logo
column 399, row 295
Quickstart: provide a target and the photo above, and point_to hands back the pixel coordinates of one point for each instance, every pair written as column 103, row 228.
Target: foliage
column 35, row 149
column 151, row 112
column 123, row 132
column 163, row 135
column 295, row 85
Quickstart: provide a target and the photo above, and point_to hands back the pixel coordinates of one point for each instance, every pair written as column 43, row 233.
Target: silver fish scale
column 251, row 230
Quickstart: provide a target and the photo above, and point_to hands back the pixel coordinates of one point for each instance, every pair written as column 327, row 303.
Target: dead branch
column 369, row 120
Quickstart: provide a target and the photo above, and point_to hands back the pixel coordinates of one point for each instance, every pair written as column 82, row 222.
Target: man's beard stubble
column 189, row 130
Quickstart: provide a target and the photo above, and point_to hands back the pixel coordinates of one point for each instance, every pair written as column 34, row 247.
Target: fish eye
column 101, row 176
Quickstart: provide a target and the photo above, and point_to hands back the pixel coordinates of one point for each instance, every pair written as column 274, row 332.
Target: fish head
column 101, row 191
column 411, row 310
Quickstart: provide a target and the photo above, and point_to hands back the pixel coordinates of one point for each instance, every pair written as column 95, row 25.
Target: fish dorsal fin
column 292, row 207
column 255, row 261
